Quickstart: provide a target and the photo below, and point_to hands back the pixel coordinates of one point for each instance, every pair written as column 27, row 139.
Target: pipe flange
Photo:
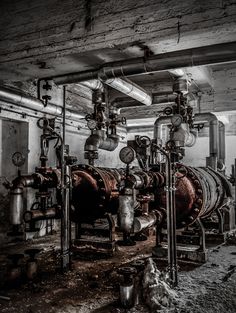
column 199, row 202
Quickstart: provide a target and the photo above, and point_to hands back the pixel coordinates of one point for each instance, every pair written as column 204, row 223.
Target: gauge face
column 176, row 120
column 18, row 159
column 127, row 155
column 92, row 124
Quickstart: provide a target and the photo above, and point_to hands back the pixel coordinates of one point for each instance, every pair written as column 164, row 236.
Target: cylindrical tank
column 199, row 191
column 16, row 206
column 95, row 192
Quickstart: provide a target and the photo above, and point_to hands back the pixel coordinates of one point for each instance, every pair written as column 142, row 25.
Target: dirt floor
column 93, row 284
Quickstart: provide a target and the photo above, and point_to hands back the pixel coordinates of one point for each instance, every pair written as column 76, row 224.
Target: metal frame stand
column 171, row 222
column 65, row 192
column 89, row 238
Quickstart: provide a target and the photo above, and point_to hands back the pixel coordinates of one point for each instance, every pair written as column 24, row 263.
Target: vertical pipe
column 235, row 187
column 65, row 241
column 214, row 137
column 171, row 220
column 222, row 142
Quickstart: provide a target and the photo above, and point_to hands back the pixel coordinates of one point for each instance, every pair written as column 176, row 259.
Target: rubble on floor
column 93, row 284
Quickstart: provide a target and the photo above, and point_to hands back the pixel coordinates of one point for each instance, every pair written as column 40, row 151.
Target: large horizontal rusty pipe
column 199, row 191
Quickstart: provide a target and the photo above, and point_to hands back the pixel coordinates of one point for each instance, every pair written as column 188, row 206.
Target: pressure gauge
column 92, row 124
column 18, row 159
column 176, row 120
column 127, row 155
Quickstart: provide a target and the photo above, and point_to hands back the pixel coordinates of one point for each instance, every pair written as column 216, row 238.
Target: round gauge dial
column 18, row 159
column 92, row 124
column 176, row 120
column 127, row 155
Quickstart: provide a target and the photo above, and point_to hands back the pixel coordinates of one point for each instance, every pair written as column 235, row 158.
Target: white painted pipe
column 25, row 101
column 130, row 89
column 125, row 86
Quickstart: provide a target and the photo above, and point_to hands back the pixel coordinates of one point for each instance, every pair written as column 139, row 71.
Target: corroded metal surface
column 199, row 191
column 94, row 193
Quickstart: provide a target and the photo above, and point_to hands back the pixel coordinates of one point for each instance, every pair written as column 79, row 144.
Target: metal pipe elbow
column 16, row 197
column 23, row 182
column 160, row 121
column 110, row 143
column 191, row 139
column 92, row 142
column 207, row 117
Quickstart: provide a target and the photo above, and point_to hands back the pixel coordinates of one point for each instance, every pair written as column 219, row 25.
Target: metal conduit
column 215, row 54
column 29, row 102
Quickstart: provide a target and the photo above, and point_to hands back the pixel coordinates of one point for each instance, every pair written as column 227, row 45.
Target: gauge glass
column 127, row 155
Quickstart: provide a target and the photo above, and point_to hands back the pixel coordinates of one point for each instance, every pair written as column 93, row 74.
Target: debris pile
column 157, row 293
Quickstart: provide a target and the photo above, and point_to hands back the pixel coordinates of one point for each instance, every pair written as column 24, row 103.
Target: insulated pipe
column 97, row 140
column 213, row 131
column 125, row 212
column 125, row 86
column 215, row 54
column 28, row 102
column 94, row 84
column 222, row 142
column 144, row 222
column 177, row 72
column 16, row 197
column 130, row 89
column 189, row 137
column 159, row 123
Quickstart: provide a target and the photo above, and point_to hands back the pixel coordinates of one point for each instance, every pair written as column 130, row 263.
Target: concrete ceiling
column 50, row 38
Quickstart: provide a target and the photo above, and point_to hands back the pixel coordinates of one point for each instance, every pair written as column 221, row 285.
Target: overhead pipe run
column 215, row 54
column 94, row 84
column 130, row 89
column 20, row 99
column 124, row 86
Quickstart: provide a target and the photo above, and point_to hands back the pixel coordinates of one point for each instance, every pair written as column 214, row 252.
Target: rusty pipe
column 37, row 215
